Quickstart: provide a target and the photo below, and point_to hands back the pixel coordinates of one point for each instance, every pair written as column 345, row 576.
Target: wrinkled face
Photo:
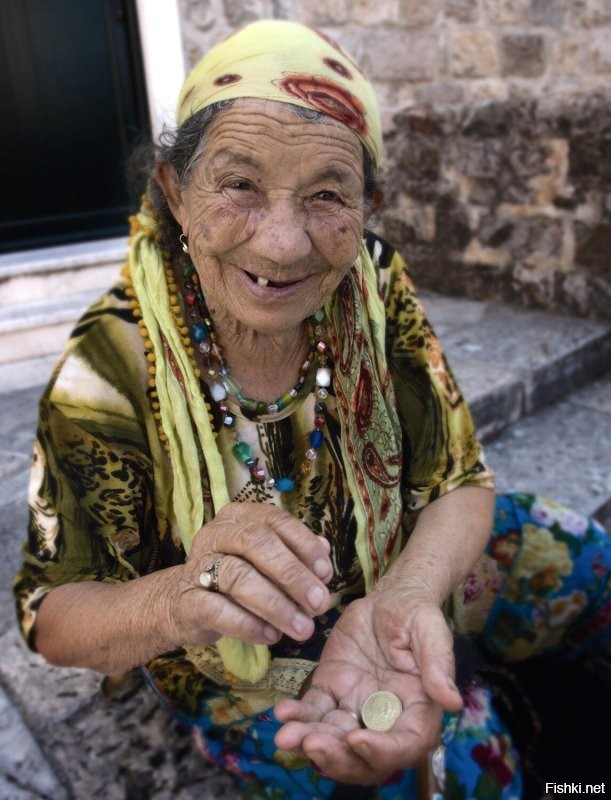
column 274, row 213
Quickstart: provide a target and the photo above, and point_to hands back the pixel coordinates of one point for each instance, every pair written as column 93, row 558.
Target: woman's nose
column 281, row 235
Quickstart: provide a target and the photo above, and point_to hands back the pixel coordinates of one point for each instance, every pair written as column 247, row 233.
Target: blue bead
column 316, row 438
column 285, row 484
column 198, row 332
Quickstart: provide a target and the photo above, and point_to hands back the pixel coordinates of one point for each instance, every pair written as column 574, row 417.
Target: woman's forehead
column 255, row 132
column 258, row 125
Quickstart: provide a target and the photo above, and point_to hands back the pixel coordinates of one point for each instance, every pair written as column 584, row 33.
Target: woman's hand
column 272, row 572
column 394, row 639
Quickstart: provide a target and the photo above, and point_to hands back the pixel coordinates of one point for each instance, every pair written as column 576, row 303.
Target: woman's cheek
column 337, row 237
column 222, row 227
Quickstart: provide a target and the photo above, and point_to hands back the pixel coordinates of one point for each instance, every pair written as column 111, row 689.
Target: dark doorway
column 72, row 105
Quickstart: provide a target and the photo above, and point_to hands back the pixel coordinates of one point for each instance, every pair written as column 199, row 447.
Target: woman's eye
column 327, row 196
column 242, row 186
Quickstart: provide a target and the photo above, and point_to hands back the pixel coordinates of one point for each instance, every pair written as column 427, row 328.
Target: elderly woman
column 255, row 476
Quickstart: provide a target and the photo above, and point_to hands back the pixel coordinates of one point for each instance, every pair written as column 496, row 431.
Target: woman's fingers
column 314, row 708
column 209, row 616
column 336, row 725
column 248, row 528
column 334, row 756
column 263, row 596
column 349, row 754
column 434, row 653
column 268, row 562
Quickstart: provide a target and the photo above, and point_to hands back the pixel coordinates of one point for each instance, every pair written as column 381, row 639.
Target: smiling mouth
column 267, row 283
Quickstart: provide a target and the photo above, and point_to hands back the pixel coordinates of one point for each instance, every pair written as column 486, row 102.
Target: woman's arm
column 450, row 535
column 448, row 538
column 108, row 627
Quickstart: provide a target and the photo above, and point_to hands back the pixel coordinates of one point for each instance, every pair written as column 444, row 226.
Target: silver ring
column 209, row 578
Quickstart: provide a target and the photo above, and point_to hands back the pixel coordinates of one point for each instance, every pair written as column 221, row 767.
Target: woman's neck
column 265, row 364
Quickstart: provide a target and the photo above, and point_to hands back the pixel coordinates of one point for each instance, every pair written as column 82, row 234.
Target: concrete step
column 59, row 271
column 40, row 327
column 43, row 293
column 563, row 451
column 510, row 362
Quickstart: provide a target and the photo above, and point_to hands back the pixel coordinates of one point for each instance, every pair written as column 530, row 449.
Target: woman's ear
column 166, row 177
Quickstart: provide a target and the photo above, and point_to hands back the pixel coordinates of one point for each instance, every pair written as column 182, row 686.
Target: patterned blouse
column 100, row 498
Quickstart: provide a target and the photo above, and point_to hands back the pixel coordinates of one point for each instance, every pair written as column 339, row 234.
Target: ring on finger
column 209, row 577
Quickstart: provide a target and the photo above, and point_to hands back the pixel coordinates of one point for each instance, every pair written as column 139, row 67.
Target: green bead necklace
column 222, row 385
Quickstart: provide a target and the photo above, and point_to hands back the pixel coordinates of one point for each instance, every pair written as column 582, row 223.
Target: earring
column 184, row 242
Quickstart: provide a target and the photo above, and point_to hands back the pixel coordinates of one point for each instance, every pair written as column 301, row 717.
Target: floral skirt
column 541, row 590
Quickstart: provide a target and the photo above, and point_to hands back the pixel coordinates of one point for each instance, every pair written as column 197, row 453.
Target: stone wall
column 498, row 129
column 507, row 200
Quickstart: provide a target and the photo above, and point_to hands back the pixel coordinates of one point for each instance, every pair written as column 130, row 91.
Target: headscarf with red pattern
column 289, row 63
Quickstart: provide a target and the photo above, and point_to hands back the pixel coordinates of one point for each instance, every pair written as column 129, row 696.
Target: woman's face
column 273, row 212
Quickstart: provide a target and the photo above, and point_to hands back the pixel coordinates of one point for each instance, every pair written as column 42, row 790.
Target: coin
column 381, row 710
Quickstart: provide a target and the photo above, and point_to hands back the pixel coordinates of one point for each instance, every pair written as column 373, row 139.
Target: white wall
column 164, row 63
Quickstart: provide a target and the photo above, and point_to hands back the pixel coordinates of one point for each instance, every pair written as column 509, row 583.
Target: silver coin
column 381, row 710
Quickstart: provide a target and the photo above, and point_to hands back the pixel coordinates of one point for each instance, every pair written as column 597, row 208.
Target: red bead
column 258, row 474
column 190, row 298
column 223, row 406
column 319, row 421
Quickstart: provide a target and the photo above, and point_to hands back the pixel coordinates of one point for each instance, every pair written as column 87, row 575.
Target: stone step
column 41, row 327
column 19, row 751
column 510, row 361
column 43, row 293
column 59, row 271
column 562, row 451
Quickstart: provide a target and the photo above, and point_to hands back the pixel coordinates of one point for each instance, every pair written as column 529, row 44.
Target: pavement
column 540, row 389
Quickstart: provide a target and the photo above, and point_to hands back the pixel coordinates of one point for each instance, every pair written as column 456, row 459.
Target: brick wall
column 498, row 130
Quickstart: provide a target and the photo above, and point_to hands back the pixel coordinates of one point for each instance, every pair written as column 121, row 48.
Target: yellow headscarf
column 289, row 63
column 284, row 62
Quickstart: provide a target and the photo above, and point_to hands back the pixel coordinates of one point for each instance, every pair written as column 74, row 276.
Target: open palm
column 386, row 641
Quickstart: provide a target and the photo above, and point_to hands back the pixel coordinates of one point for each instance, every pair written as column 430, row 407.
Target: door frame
column 163, row 57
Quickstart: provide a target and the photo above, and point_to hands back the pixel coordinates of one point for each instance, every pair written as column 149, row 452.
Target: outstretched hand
column 394, row 639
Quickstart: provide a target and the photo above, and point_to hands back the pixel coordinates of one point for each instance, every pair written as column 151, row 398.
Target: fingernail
column 300, row 622
column 322, row 568
column 316, row 596
column 453, row 686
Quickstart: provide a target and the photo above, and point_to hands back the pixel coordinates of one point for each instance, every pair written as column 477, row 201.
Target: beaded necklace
column 222, row 385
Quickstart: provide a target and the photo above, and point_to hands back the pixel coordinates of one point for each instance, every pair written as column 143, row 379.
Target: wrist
column 411, row 588
column 163, row 607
